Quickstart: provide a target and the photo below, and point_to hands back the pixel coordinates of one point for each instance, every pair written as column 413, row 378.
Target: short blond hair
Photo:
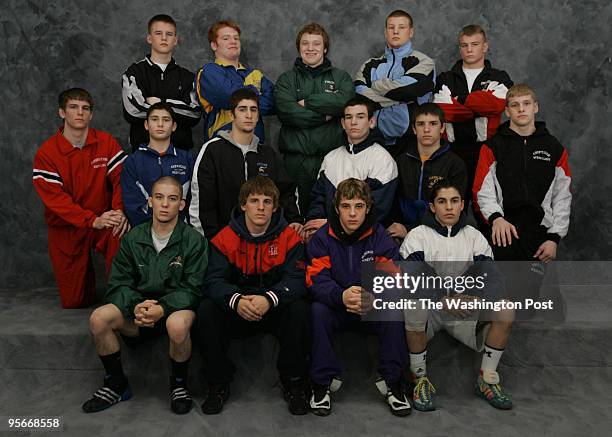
column 472, row 29
column 520, row 89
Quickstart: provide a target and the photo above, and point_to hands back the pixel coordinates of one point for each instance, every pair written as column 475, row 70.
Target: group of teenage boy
column 395, row 164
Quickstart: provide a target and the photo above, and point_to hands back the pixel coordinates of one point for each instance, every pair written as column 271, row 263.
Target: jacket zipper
column 392, row 65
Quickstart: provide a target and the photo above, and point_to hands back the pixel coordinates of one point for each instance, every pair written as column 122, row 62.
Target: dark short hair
column 313, row 29
column 161, row 18
column 214, row 29
column 259, row 185
column 167, row 180
column 400, row 13
column 428, row 109
column 75, row 94
column 442, row 184
column 361, row 100
column 242, row 94
column 161, row 106
column 472, row 29
column 352, row 188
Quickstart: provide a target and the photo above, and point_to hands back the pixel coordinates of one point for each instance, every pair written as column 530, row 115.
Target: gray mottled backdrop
column 562, row 48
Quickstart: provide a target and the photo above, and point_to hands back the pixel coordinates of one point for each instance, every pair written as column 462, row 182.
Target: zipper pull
column 162, row 76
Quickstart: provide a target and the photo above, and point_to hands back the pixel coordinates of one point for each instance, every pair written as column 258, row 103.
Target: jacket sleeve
column 318, row 195
column 323, row 288
column 288, row 193
column 416, row 82
column 363, row 86
column 291, row 286
column 266, row 95
column 186, row 107
column 487, row 192
column 214, row 88
column 189, row 293
column 216, row 284
column 113, row 172
column 383, row 182
column 134, row 96
column 287, row 109
column 454, row 111
column 204, row 200
column 561, row 199
column 457, row 174
column 489, row 102
column 50, row 187
column 135, row 196
column 332, row 103
column 122, row 281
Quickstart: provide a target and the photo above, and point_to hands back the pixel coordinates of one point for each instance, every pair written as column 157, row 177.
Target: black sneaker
column 105, row 397
column 180, row 400
column 396, row 399
column 296, row 394
column 215, row 398
column 320, row 401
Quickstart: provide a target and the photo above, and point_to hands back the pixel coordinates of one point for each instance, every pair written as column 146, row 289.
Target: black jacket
column 174, row 86
column 220, row 170
column 416, row 179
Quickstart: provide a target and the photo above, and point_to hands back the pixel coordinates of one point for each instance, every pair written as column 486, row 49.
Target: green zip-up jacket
column 325, row 91
column 173, row 277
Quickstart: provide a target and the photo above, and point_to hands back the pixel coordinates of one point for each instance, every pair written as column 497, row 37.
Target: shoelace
column 421, row 388
column 497, row 390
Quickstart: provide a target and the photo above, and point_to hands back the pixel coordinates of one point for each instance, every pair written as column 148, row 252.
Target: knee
column 105, row 318
column 178, row 328
column 320, row 312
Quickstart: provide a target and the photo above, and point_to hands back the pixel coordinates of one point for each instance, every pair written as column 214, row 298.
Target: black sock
column 179, row 372
column 115, row 378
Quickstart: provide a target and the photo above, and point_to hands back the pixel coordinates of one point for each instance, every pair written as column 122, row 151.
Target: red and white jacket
column 526, row 179
column 78, row 184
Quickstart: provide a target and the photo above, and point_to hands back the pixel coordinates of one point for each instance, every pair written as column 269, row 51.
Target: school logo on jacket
column 99, row 162
column 368, row 256
column 179, row 169
column 262, row 169
column 330, row 86
column 273, row 249
column 432, row 180
column 177, row 262
column 541, row 155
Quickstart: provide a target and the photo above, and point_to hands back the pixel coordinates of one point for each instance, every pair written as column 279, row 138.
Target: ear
column 146, row 124
column 149, row 39
column 62, row 113
column 173, row 126
column 536, row 107
column 506, row 111
column 150, row 202
column 372, row 122
column 214, row 46
column 182, row 205
column 243, row 207
column 411, row 32
column 443, row 128
column 485, row 47
column 431, row 207
column 343, row 123
column 413, row 128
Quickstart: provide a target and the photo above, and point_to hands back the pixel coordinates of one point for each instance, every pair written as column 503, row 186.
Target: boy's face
column 162, row 38
column 160, row 125
column 166, row 202
column 428, row 129
column 352, row 213
column 77, row 115
column 521, row 110
column 258, row 210
column 312, row 49
column 227, row 44
column 246, row 115
column 447, row 206
column 398, row 31
column 356, row 124
column 473, row 49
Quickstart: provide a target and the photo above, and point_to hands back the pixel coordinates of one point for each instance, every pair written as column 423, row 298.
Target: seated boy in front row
column 336, row 254
column 444, row 236
column 154, row 286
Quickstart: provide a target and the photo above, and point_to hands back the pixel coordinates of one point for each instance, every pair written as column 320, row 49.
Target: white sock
column 490, row 358
column 418, row 363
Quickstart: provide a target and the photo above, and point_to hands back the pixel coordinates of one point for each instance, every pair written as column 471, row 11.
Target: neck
column 256, row 229
column 164, row 228
column 241, row 137
column 355, row 141
column 75, row 136
column 159, row 146
column 523, row 131
column 160, row 58
column 234, row 62
column 474, row 66
column 427, row 151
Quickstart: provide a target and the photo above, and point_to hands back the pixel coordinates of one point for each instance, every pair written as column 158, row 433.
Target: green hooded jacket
column 173, row 277
column 325, row 91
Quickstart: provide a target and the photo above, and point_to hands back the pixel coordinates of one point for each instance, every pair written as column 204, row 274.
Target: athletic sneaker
column 296, row 394
column 215, row 398
column 489, row 388
column 422, row 395
column 320, row 401
column 396, row 399
column 106, row 396
column 180, row 399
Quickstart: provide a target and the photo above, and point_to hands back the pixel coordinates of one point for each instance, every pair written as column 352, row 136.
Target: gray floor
column 558, row 374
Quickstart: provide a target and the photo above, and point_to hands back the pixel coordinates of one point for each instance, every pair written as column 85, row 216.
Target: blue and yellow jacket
column 214, row 84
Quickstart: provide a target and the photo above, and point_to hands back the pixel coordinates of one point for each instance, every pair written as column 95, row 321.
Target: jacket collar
column 171, row 150
column 238, row 225
column 504, row 129
column 402, row 52
column 300, row 65
column 171, row 64
column 66, row 147
column 429, row 220
column 143, row 234
column 374, row 137
column 226, row 135
column 336, row 230
column 227, row 64
column 458, row 67
column 413, row 150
